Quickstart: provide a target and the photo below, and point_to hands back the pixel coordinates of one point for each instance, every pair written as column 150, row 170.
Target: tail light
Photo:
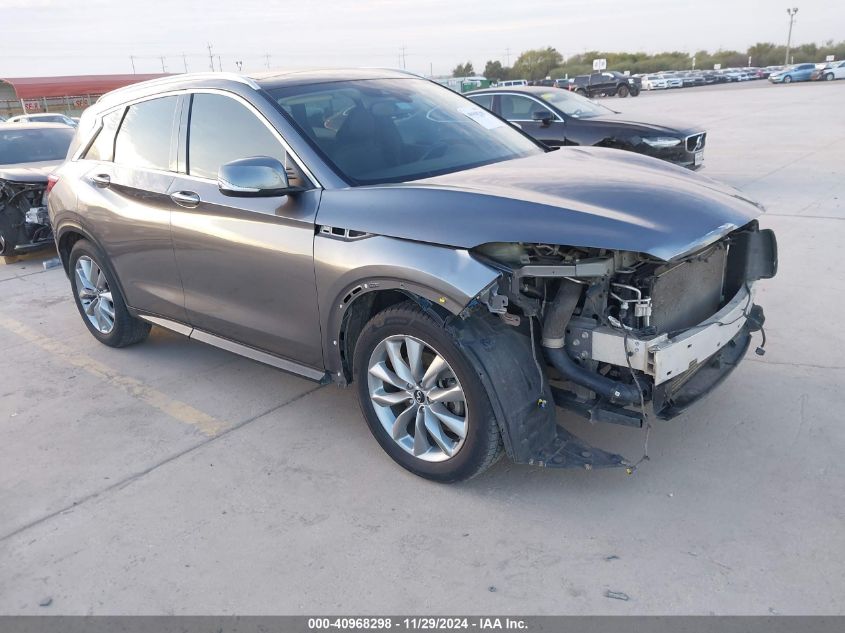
column 51, row 182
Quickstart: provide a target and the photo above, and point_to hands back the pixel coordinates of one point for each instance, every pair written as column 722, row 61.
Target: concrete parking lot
column 174, row 478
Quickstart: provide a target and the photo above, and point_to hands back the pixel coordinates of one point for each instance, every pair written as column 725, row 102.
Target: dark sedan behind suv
column 559, row 117
column 373, row 227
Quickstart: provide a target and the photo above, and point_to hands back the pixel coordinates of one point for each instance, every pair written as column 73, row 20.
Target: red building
column 69, row 95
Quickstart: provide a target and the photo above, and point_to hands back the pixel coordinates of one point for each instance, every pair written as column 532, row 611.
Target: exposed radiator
column 687, row 293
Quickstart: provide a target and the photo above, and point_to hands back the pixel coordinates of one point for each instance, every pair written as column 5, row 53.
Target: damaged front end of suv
column 623, row 334
column 24, row 223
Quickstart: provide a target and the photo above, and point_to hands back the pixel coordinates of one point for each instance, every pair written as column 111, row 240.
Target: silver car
column 374, row 228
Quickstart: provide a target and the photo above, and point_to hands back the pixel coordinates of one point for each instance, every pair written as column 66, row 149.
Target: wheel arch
column 358, row 278
column 69, row 233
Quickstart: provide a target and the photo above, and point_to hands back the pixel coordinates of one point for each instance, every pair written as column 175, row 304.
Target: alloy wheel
column 94, row 294
column 418, row 398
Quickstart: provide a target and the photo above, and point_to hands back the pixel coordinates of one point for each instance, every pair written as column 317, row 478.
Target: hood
column 29, row 172
column 579, row 196
column 660, row 125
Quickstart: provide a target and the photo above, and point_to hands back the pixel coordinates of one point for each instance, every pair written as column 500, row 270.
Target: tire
column 635, row 92
column 389, row 335
column 787, row 79
column 622, row 92
column 7, row 243
column 581, row 91
column 91, row 291
column 828, row 77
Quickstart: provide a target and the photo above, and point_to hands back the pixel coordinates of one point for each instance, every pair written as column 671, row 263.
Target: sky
column 52, row 37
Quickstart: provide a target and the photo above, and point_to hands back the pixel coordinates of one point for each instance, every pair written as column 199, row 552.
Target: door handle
column 101, row 180
column 187, row 199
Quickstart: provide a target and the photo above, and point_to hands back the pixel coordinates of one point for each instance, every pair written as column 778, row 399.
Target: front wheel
column 787, row 80
column 422, row 400
column 99, row 300
column 828, row 77
column 622, row 92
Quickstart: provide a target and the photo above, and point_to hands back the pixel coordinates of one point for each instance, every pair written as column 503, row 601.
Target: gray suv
column 375, row 228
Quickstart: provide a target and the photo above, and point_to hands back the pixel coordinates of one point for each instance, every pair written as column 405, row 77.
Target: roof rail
column 163, row 81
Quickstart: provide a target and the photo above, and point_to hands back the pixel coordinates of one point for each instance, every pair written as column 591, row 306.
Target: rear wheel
column 421, row 398
column 622, row 92
column 99, row 300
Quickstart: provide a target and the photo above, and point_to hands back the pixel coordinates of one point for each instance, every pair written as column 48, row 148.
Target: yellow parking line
column 185, row 413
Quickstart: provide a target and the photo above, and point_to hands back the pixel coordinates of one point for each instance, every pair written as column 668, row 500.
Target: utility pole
column 508, row 57
column 791, row 13
column 185, row 62
column 210, row 58
column 240, row 65
column 267, row 60
column 402, row 57
column 132, row 59
column 163, row 69
column 219, row 64
column 431, row 69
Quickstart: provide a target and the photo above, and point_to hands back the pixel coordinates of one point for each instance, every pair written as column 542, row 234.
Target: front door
column 246, row 263
column 520, row 109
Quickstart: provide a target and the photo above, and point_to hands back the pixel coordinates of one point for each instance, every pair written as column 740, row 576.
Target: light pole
column 791, row 13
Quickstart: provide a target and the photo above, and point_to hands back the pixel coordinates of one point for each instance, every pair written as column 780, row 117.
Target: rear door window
column 145, row 135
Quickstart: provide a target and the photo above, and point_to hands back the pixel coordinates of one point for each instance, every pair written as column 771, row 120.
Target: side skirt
column 284, row 364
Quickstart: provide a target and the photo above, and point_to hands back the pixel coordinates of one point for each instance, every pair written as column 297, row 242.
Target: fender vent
column 341, row 233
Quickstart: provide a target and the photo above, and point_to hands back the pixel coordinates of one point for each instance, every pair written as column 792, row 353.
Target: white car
column 672, row 81
column 43, row 117
column 654, row 82
column 512, row 82
column 834, row 70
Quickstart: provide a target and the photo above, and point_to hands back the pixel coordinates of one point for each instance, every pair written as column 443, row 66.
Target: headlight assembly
column 661, row 141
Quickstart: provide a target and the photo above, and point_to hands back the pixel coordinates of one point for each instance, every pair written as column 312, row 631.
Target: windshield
column 394, row 130
column 575, row 105
column 33, row 145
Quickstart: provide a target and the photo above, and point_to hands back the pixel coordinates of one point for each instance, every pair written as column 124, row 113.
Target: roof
column 36, row 87
column 532, row 90
column 273, row 79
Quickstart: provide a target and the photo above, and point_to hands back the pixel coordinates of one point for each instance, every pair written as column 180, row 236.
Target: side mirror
column 255, row 177
column 543, row 116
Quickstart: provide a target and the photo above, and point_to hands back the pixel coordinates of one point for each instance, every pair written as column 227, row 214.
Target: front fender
column 347, row 269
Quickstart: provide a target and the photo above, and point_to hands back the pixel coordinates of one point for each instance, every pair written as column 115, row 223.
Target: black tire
column 581, row 91
column 7, row 243
column 622, row 92
column 635, row 92
column 127, row 330
column 482, row 446
column 787, row 79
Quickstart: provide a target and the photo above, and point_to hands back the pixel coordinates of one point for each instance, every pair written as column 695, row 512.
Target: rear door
column 126, row 202
column 246, row 263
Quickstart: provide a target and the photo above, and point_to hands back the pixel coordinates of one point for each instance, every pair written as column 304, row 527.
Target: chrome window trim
column 220, row 91
column 546, row 106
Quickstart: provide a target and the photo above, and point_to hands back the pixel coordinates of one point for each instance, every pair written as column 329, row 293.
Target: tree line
column 540, row 63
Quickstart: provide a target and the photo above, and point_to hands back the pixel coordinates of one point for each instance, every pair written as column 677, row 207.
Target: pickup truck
column 607, row 82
